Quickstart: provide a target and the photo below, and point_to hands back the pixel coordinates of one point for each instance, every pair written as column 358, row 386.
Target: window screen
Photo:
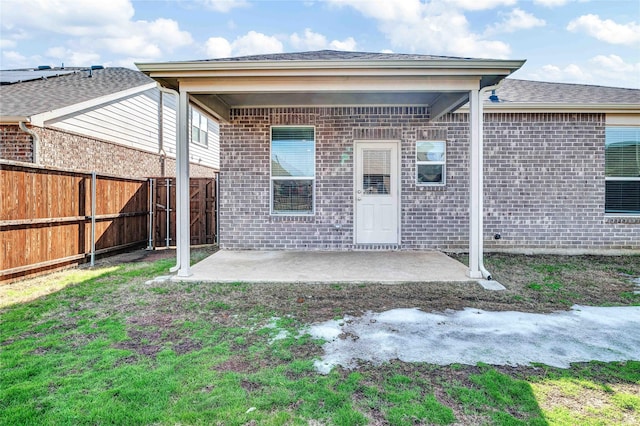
column 292, row 170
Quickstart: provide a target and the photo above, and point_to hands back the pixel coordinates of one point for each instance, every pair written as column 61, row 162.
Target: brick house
column 113, row 121
column 365, row 151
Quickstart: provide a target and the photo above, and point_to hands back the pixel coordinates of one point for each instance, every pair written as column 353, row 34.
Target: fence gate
column 202, row 206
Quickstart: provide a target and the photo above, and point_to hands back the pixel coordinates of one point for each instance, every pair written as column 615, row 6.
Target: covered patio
column 425, row 87
column 325, row 267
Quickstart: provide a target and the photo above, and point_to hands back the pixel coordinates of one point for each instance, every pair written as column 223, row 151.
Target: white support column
column 475, row 182
column 183, row 233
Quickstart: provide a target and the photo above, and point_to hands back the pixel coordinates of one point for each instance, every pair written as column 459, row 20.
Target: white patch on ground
column 471, row 336
column 282, row 334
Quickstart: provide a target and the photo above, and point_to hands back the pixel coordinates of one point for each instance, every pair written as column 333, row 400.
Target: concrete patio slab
column 387, row 267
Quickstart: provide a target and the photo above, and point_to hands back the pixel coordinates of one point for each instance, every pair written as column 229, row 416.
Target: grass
column 106, row 348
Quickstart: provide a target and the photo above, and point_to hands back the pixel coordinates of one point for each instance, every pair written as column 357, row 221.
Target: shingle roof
column 34, row 97
column 334, row 55
column 538, row 92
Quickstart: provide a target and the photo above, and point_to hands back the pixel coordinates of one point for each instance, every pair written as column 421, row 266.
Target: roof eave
column 14, row 119
column 475, row 64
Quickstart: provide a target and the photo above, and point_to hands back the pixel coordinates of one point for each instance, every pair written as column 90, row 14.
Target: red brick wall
column 76, row 152
column 15, row 144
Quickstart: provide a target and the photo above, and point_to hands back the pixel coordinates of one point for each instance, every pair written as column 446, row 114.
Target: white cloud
column 571, row 73
column 5, row 43
column 72, row 58
column 606, row 30
column 516, row 20
column 106, row 24
column 436, row 27
column 606, row 70
column 388, row 10
column 309, row 41
column 224, row 6
column 348, row 44
column 551, row 3
column 72, row 17
column 616, row 71
column 482, row 4
column 252, row 43
column 218, row 47
column 12, row 60
column 316, row 41
column 613, row 63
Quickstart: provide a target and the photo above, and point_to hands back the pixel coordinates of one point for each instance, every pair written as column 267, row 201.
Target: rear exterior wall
column 544, row 182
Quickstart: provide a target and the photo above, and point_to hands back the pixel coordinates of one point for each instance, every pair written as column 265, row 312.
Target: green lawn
column 106, row 348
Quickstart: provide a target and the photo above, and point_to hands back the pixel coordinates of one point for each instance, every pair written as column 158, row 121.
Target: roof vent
column 494, row 97
column 97, row 67
column 43, row 67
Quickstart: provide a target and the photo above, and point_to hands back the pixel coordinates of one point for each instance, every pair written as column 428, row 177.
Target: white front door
column 376, row 192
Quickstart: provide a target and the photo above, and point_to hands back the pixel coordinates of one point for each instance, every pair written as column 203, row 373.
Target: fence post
column 93, row 218
column 168, row 211
column 151, row 200
column 216, row 210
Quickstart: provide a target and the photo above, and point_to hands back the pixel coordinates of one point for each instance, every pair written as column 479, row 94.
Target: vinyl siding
column 133, row 122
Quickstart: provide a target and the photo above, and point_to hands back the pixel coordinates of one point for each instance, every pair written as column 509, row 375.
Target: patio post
column 475, row 180
column 183, row 232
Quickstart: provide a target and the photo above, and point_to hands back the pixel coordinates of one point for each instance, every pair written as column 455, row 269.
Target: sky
column 572, row 41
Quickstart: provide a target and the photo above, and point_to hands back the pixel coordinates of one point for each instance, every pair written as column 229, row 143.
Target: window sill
column 201, row 145
column 289, row 218
column 431, row 187
column 630, row 219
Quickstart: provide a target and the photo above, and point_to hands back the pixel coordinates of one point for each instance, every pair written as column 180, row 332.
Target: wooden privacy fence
column 51, row 217
column 202, row 195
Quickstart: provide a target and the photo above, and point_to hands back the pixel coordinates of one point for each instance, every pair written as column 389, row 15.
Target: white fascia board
column 40, row 119
column 482, row 64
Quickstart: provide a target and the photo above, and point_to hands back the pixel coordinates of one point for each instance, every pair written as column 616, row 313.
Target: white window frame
column 311, row 178
column 442, row 162
column 197, row 119
column 619, row 178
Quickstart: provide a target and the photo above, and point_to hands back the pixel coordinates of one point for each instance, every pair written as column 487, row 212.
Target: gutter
column 486, row 274
column 36, row 140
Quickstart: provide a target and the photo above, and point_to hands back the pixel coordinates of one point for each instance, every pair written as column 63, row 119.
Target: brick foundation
column 544, row 180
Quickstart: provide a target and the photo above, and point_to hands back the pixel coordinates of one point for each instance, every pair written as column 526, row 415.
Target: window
column 293, row 170
column 199, row 128
column 622, row 170
column 430, row 162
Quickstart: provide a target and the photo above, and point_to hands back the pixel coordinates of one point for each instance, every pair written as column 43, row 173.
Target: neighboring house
column 110, row 120
column 364, row 151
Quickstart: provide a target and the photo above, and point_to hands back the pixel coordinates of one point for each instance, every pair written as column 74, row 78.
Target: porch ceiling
column 324, row 99
column 442, row 84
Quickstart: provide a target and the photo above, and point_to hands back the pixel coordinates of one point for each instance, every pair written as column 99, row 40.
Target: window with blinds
column 622, row 170
column 292, row 170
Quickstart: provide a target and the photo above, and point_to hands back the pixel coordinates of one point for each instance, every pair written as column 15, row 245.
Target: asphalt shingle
column 34, row 97
column 538, row 92
column 334, row 55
